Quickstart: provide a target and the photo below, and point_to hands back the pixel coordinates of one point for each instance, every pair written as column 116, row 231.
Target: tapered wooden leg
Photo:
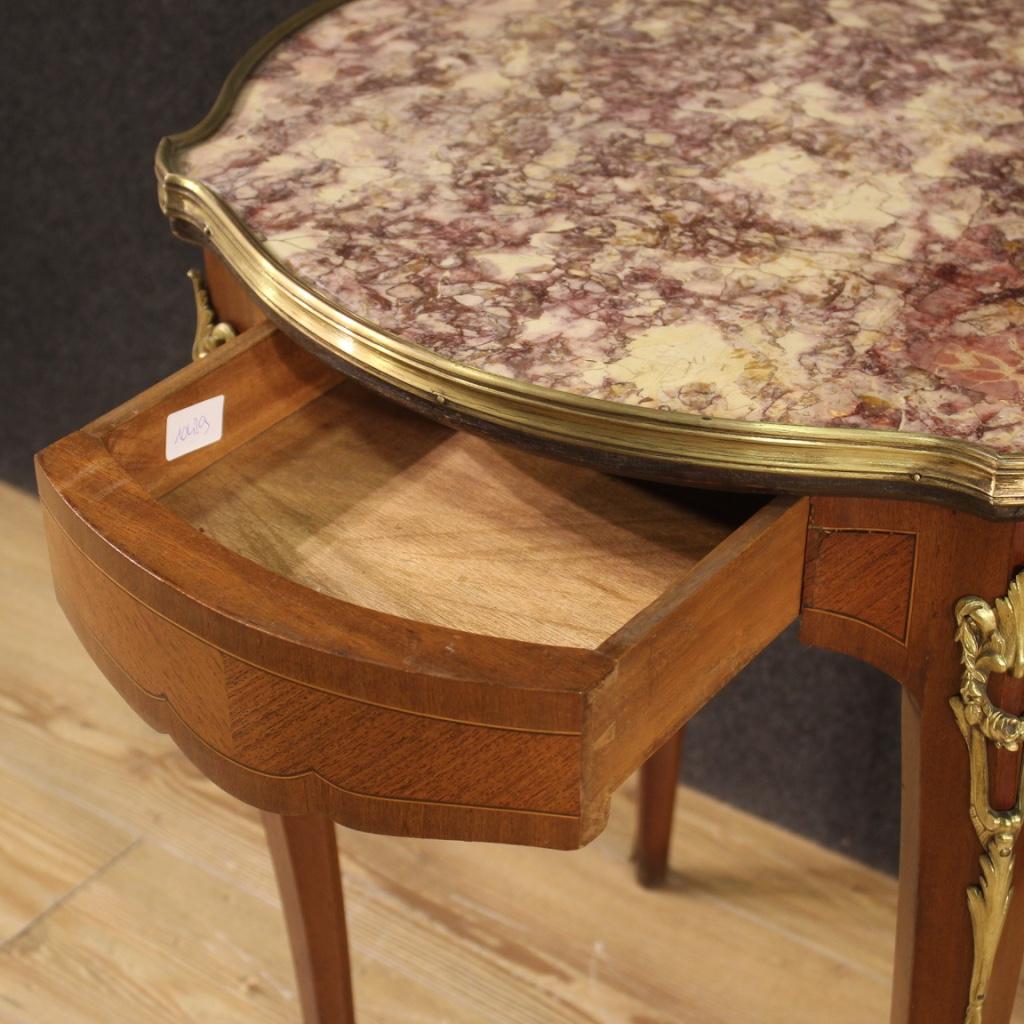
column 659, row 779
column 933, row 597
column 940, row 859
column 305, row 856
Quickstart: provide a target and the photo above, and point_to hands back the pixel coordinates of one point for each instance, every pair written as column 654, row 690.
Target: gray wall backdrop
column 96, row 307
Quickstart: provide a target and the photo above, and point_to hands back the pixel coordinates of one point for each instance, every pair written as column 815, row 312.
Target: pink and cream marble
column 791, row 211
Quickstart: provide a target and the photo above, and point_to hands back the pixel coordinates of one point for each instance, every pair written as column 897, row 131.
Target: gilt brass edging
column 991, row 640
column 210, row 333
column 798, row 457
column 171, row 145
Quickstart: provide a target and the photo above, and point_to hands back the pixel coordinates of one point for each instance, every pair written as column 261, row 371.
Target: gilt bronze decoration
column 210, row 334
column 991, row 640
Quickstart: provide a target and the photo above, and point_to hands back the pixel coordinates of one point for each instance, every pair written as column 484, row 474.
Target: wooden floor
column 133, row 892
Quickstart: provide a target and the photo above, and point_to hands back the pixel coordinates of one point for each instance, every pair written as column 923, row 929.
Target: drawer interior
column 356, row 497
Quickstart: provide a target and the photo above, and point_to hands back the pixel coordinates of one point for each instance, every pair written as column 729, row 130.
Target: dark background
column 96, row 307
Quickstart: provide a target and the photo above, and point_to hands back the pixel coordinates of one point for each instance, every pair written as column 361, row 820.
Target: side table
column 778, row 251
column 438, row 638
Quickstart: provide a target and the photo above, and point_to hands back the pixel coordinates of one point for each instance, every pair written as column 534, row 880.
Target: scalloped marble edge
column 879, row 461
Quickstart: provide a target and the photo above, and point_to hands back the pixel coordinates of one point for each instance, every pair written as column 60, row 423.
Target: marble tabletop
column 800, row 212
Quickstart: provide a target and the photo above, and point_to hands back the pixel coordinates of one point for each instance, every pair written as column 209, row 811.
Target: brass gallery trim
column 291, row 679
column 210, row 333
column 835, row 454
column 991, row 640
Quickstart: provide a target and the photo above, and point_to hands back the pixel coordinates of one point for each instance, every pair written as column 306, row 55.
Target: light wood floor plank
column 756, row 925
column 576, row 926
column 48, row 847
column 150, row 939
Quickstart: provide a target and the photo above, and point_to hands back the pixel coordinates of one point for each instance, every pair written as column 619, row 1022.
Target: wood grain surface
column 232, row 302
column 361, row 499
column 677, row 654
column 304, row 851
column 882, row 564
column 51, row 846
column 262, row 377
column 342, row 608
column 656, row 802
column 176, row 910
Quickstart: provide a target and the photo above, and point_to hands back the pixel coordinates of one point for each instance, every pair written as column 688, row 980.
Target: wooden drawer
column 343, row 607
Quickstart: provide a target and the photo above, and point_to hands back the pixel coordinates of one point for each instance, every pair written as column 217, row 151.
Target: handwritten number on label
column 194, row 427
column 199, row 427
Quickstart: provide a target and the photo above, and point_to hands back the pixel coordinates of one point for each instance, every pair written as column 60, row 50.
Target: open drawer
column 343, row 607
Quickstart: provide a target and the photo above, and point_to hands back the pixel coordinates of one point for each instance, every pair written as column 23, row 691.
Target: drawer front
column 292, row 748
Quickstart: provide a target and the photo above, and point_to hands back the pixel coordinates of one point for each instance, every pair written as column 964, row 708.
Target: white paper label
column 193, row 428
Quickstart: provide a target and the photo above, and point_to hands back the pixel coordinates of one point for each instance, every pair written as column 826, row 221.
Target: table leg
column 940, row 861
column 932, row 597
column 659, row 780
column 305, row 856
